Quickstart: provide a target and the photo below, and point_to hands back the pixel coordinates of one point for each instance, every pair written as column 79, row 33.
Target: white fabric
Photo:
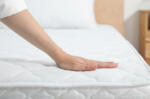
column 11, row 7
column 63, row 13
column 26, row 72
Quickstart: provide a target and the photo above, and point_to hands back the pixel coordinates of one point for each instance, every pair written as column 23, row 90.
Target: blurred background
column 132, row 19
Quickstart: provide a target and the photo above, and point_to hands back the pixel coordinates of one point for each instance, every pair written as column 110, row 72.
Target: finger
column 83, row 67
column 90, row 68
column 107, row 65
column 90, row 65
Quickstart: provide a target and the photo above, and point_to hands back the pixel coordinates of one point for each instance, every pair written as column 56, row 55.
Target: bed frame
column 110, row 12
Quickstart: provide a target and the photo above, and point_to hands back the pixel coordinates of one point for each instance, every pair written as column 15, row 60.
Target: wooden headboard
column 110, row 12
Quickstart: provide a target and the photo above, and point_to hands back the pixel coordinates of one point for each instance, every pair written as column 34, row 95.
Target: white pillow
column 63, row 13
column 1, row 25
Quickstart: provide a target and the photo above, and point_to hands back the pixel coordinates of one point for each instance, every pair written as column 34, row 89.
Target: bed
column 28, row 73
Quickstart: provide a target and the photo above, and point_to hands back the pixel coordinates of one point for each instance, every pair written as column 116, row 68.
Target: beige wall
column 132, row 20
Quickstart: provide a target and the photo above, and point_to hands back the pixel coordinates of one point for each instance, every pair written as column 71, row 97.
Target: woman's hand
column 26, row 26
column 82, row 64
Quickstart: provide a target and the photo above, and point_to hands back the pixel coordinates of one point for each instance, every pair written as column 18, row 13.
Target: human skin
column 27, row 27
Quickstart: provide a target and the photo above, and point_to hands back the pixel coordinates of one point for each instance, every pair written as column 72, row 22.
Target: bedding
column 63, row 13
column 2, row 25
column 28, row 73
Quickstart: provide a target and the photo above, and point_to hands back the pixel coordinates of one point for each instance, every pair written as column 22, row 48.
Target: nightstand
column 145, row 34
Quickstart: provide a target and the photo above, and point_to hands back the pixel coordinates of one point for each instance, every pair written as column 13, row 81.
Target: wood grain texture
column 110, row 12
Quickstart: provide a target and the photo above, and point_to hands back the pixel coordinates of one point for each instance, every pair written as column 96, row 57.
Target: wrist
column 59, row 55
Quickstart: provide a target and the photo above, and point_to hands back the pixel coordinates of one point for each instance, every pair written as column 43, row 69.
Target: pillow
column 63, row 13
column 2, row 25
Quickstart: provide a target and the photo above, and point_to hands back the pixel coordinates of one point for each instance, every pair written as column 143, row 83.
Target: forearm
column 25, row 25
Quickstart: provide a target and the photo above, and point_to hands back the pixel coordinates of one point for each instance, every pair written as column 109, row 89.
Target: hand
column 26, row 26
column 82, row 64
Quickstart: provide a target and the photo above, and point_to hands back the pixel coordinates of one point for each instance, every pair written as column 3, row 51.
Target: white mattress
column 28, row 73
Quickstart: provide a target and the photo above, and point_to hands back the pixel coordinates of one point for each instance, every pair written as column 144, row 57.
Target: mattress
column 28, row 73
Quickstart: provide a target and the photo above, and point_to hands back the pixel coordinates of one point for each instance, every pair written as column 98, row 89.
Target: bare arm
column 26, row 26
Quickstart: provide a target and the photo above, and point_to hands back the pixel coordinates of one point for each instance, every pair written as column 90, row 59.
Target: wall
column 132, row 20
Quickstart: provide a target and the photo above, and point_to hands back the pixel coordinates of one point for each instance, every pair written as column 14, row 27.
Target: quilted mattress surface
column 28, row 73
